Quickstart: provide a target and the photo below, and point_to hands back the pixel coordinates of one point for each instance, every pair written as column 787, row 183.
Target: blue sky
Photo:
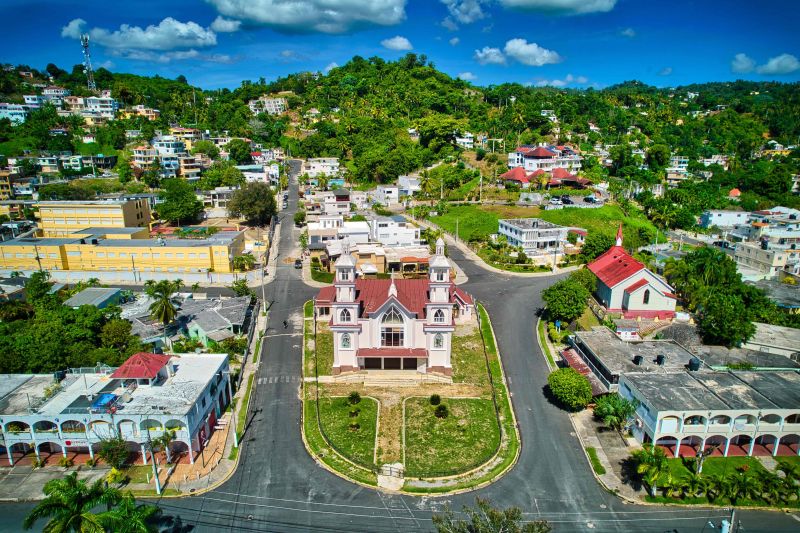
column 573, row 43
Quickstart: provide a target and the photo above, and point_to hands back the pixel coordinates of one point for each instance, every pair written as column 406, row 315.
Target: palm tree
column 164, row 307
column 652, row 464
column 128, row 517
column 791, row 471
column 693, row 484
column 164, row 441
column 69, row 503
column 746, row 486
column 773, row 487
column 717, row 485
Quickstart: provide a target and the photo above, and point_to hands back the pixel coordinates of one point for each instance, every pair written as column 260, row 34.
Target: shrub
column 91, row 463
column 66, row 462
column 354, row 426
column 116, row 476
column 114, row 451
column 441, row 411
column 38, row 463
column 354, row 412
column 570, row 389
column 354, row 398
column 436, row 399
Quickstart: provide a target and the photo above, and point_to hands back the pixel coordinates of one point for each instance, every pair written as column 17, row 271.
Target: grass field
column 323, row 348
column 336, row 416
column 477, row 222
column 469, row 364
column 587, row 320
column 597, row 466
column 441, row 446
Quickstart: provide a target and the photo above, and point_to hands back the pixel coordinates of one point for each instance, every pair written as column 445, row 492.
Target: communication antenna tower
column 87, row 63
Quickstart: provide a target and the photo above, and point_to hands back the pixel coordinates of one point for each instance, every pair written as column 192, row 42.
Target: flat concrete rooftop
column 617, row 355
column 531, row 223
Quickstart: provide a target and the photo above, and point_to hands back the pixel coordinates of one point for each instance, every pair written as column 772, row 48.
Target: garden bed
column 350, row 428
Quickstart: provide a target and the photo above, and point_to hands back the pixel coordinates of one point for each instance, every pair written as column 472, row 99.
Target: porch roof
column 420, row 353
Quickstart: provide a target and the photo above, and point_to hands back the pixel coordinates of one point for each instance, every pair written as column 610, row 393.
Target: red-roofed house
column 546, row 158
column 734, row 194
column 145, row 368
column 625, row 285
column 516, row 176
column 388, row 324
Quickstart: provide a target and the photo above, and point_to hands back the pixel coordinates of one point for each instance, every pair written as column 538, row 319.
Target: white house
column 547, row 158
column 14, row 112
column 321, row 166
column 146, row 396
column 269, row 105
column 721, row 413
column 394, row 231
column 723, row 218
column 355, row 232
column 387, row 324
column 465, row 140
column 626, row 286
column 408, row 185
column 386, row 194
column 535, row 236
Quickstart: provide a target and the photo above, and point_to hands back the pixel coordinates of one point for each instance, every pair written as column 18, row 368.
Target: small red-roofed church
column 625, row 285
column 393, row 324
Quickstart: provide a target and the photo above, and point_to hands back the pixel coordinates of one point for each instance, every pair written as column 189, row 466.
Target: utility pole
column 233, row 412
column 456, row 230
column 153, row 456
column 480, row 189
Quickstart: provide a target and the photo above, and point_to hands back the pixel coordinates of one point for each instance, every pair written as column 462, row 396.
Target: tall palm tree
column 128, row 517
column 652, row 465
column 717, row 485
column 69, row 503
column 163, row 308
column 693, row 484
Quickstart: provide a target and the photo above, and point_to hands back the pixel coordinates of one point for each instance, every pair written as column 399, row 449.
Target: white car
column 556, row 201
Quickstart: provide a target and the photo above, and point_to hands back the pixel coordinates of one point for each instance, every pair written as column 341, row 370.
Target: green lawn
column 324, row 351
column 322, row 277
column 469, row 363
column 478, row 222
column 139, row 473
column 597, row 466
column 542, row 327
column 587, row 320
column 435, row 446
column 336, row 416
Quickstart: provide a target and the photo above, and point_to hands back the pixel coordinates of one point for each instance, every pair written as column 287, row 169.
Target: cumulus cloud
column 156, row 57
column 330, row 66
column 530, row 53
column 465, row 11
column 288, row 56
column 741, row 63
column 490, row 56
column 628, row 32
column 223, row 25
column 169, row 34
column 467, row 76
column 454, row 41
column 397, row 43
column 782, row 64
column 74, row 29
column 562, row 7
column 569, row 79
column 666, row 71
column 305, row 16
column 449, row 24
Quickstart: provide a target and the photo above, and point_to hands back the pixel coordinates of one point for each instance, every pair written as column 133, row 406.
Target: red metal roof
column 515, row 174
column 392, row 352
column 562, row 173
column 326, row 294
column 615, row 266
column 735, row 192
column 540, row 151
column 141, row 365
column 636, row 286
column 462, row 295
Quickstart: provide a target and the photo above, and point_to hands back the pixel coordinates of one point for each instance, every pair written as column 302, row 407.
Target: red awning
column 392, row 352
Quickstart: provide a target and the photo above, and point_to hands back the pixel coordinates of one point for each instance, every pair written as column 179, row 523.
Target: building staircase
column 391, row 378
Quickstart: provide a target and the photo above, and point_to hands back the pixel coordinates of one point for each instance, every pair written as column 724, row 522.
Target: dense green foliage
column 484, row 518
column 180, row 203
column 614, row 410
column 255, row 202
column 570, row 388
column 566, row 300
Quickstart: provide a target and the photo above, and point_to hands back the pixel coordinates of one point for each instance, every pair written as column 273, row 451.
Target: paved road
column 278, row 487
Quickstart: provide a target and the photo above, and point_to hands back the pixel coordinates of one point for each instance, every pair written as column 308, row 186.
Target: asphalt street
column 279, row 487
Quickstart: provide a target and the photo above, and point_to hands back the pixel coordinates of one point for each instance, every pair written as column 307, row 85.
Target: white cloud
column 169, row 34
column 742, row 63
column 107, row 64
column 628, row 32
column 466, row 11
column 530, row 53
column 304, row 16
column 287, row 56
column 220, row 58
column 155, row 57
column 397, row 43
column 666, row 71
column 454, row 41
column 330, row 66
column 223, row 25
column 568, row 80
column 467, row 76
column 450, row 24
column 782, row 64
column 562, row 7
column 74, row 29
column 490, row 56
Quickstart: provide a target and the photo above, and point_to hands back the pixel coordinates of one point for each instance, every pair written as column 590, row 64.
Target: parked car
column 298, row 263
column 567, row 200
column 590, row 199
column 556, row 201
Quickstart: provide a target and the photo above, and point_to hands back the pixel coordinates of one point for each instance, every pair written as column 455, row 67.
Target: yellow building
column 6, row 182
column 93, row 250
column 61, row 218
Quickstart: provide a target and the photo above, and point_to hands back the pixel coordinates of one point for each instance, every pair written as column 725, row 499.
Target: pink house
column 393, row 324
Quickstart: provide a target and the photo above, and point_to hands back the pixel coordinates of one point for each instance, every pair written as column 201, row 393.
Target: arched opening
column 101, row 429
column 72, row 426
column 717, row 444
column 770, row 419
column 765, row 445
column 392, row 330
column 126, row 427
column 744, row 420
column 438, row 341
column 344, row 315
column 739, row 446
column 21, row 451
column 792, row 419
column 438, row 316
column 690, row 446
column 50, row 452
column 720, row 420
column 150, row 424
column 179, row 452
column 17, row 427
column 646, row 299
column 346, row 341
column 669, row 424
column 694, row 420
column 175, row 425
column 45, row 426
column 668, row 444
column 789, row 445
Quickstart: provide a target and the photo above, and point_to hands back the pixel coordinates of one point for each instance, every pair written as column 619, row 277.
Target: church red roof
column 371, row 294
column 141, row 365
column 614, row 266
column 636, row 286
